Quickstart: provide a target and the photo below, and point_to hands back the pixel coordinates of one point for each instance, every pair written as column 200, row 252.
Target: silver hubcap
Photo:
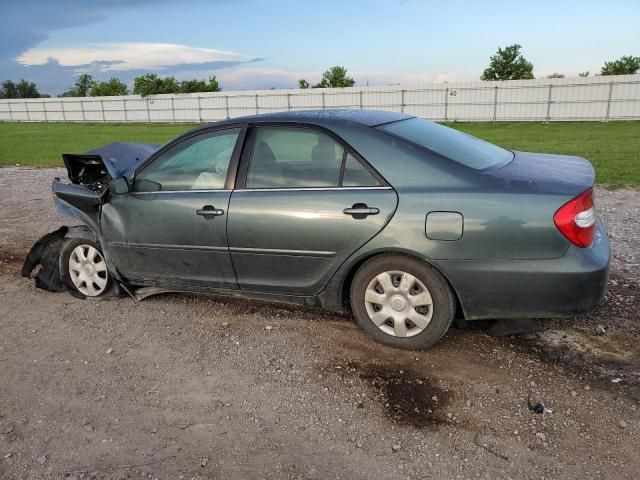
column 88, row 270
column 398, row 303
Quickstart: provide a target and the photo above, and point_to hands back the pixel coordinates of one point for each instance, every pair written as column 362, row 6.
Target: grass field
column 613, row 148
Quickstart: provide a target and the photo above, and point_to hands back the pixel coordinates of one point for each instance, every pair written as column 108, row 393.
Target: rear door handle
column 360, row 211
column 209, row 211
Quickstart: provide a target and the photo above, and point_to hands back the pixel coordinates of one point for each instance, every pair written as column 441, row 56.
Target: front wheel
column 402, row 302
column 84, row 269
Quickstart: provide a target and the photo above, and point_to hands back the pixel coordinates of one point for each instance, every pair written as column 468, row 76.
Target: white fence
column 600, row 98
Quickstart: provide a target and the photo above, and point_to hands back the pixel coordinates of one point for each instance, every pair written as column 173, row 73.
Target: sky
column 256, row 44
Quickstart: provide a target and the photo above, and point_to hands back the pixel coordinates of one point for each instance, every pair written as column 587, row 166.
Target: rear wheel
column 402, row 302
column 84, row 269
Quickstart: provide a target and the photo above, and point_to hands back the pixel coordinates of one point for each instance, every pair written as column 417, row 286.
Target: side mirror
column 119, row 185
column 144, row 185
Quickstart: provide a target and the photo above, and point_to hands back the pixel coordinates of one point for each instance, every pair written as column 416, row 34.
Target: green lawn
column 42, row 144
column 614, row 147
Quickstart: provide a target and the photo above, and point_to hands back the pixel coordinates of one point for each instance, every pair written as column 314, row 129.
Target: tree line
column 86, row 86
column 144, row 85
column 507, row 63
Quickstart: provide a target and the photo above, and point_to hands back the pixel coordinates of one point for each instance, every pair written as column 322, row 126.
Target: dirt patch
column 407, row 397
column 611, row 361
column 622, row 303
column 11, row 260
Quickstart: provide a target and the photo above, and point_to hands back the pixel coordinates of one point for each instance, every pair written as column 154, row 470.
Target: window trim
column 245, row 159
column 233, row 162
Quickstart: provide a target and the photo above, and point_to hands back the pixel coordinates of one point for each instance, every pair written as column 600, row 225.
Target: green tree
column 22, row 89
column 27, row 89
column 9, row 89
column 335, row 77
column 584, row 74
column 194, row 86
column 623, row 66
column 556, row 75
column 508, row 64
column 109, row 88
column 151, row 84
column 302, row 83
column 81, row 88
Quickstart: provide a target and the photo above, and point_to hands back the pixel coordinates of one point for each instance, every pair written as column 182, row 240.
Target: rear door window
column 357, row 175
column 284, row 157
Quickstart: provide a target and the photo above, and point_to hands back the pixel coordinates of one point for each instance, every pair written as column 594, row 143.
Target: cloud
column 117, row 57
column 26, row 23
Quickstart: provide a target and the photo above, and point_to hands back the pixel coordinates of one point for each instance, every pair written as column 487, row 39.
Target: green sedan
column 401, row 221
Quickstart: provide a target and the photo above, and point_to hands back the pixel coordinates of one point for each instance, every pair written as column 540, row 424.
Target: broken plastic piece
column 46, row 253
column 540, row 408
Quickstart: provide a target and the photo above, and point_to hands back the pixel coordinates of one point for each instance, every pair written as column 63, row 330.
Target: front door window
column 197, row 163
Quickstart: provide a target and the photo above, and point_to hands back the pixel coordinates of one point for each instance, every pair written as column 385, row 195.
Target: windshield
column 455, row 145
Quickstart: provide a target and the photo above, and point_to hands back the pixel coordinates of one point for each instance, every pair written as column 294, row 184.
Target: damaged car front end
column 92, row 176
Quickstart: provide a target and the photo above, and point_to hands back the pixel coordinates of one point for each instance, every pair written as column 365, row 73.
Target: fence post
column 26, row 107
column 446, row 104
column 226, row 105
column 199, row 109
column 257, row 107
column 402, row 101
column 124, row 108
column 549, row 103
column 44, row 110
column 323, row 99
column 10, row 111
column 495, row 104
column 102, row 110
column 609, row 102
column 82, row 110
column 146, row 101
column 288, row 102
column 360, row 99
column 173, row 112
column 64, row 117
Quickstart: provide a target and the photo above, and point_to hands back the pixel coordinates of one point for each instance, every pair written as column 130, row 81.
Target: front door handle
column 209, row 211
column 360, row 211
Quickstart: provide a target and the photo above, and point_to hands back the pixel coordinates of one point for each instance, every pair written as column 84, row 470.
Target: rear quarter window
column 457, row 146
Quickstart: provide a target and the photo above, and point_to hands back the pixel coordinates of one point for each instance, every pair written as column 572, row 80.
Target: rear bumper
column 491, row 289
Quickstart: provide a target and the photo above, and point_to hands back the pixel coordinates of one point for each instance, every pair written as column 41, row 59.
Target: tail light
column 576, row 219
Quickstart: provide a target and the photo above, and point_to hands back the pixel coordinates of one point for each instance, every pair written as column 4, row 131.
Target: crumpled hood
column 122, row 158
column 98, row 166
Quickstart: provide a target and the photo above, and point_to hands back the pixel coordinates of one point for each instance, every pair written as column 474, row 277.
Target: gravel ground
column 185, row 386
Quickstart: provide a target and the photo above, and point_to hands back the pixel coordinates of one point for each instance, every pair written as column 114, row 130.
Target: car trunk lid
column 547, row 173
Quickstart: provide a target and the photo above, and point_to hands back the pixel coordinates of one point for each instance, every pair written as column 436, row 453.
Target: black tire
column 65, row 255
column 443, row 306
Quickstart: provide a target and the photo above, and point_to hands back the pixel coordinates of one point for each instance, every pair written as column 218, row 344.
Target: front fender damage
column 46, row 254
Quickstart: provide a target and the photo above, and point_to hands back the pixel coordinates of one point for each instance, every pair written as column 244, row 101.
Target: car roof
column 370, row 118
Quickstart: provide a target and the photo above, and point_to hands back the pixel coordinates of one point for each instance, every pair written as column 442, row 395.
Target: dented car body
column 289, row 206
